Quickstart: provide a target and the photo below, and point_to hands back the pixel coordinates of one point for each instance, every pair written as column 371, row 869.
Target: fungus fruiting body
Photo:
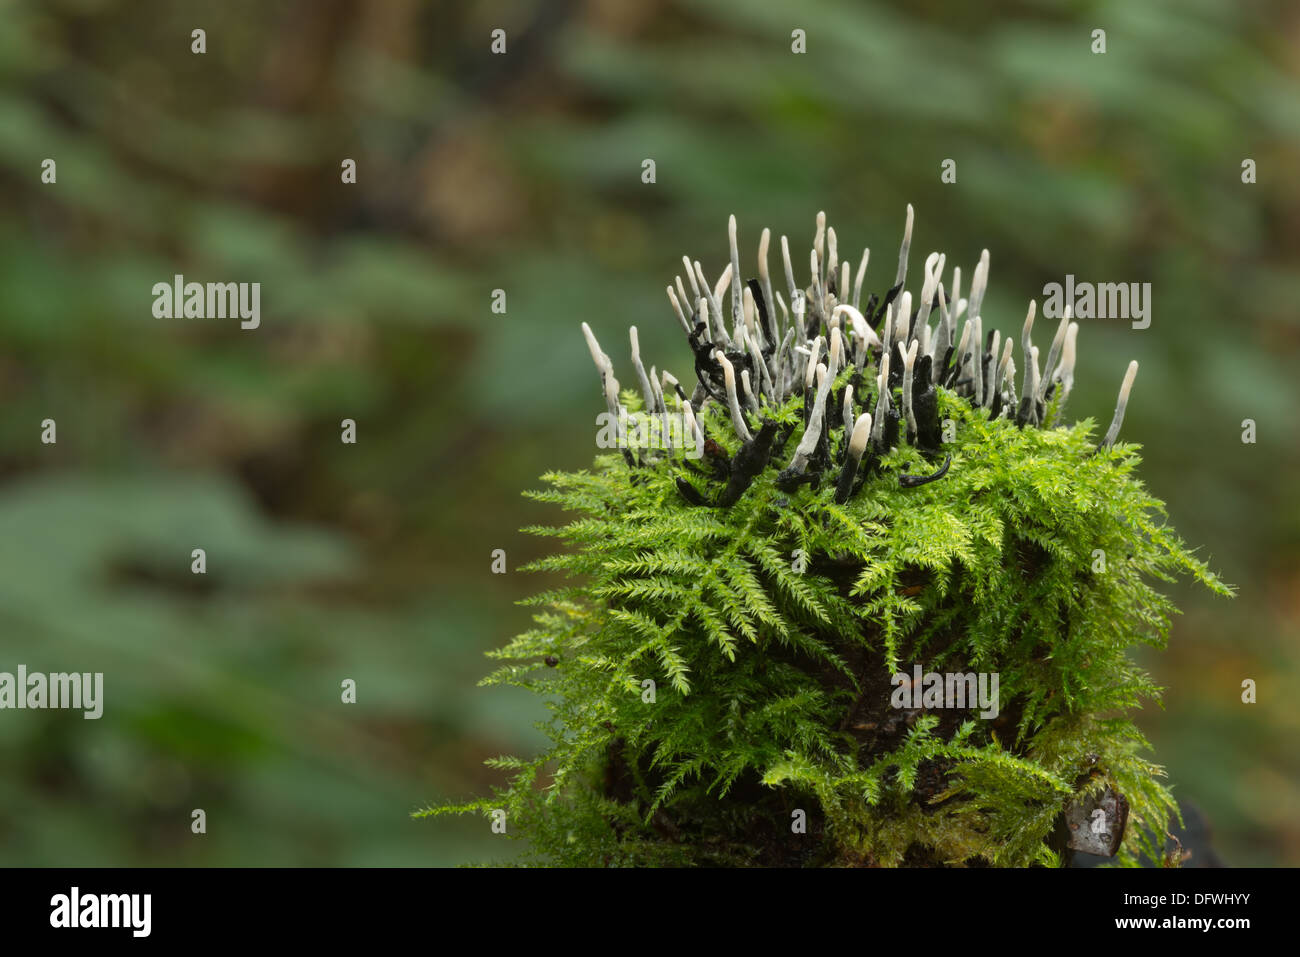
column 874, row 495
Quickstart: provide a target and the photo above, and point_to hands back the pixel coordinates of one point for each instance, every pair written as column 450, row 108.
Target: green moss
column 762, row 671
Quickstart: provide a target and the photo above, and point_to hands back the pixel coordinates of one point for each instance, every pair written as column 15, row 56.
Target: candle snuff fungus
column 879, row 491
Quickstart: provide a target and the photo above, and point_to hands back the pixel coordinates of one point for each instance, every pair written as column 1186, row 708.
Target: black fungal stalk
column 914, row 481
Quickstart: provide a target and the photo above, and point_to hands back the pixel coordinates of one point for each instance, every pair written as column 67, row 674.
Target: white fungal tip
column 723, row 282
column 1068, row 350
column 813, row 356
column 861, row 432
column 904, row 316
column 858, row 322
column 964, row 340
column 597, row 356
column 728, row 373
column 1113, row 432
column 690, row 274
column 1129, row 376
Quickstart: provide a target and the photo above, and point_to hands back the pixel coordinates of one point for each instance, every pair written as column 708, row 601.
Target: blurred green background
column 522, row 172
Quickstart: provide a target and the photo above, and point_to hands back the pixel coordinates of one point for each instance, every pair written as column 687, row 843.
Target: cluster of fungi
column 865, row 374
